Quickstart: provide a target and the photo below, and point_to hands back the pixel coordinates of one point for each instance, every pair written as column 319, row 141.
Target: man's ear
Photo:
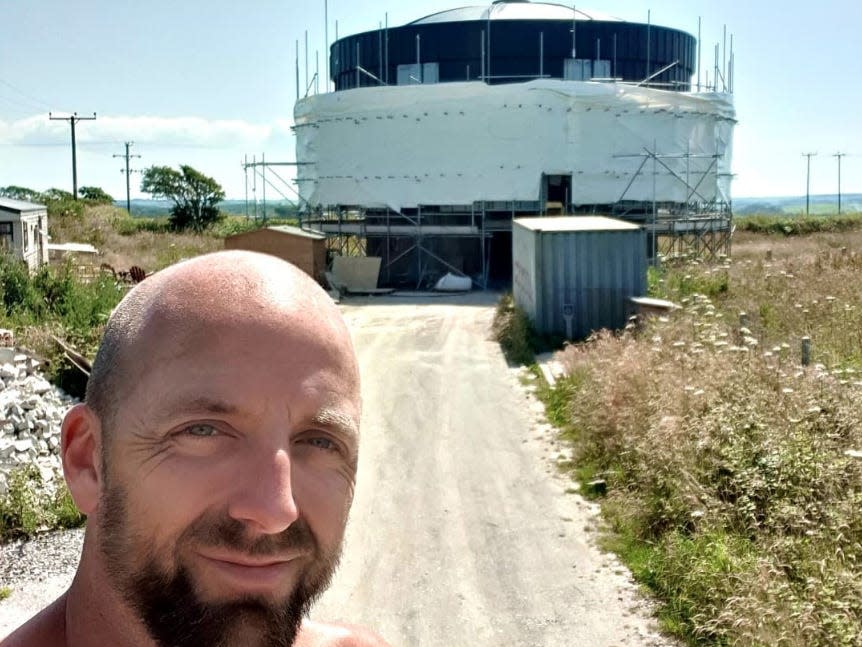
column 81, row 454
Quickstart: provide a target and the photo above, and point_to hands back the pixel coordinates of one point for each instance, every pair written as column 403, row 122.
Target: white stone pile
column 31, row 411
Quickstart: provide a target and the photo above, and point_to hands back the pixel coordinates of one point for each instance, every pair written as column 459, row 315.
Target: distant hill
column 784, row 205
column 162, row 208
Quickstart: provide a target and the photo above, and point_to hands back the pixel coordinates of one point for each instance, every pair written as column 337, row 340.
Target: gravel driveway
column 462, row 532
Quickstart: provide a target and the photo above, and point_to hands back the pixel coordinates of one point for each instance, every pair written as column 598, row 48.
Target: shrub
column 798, row 225
column 55, row 301
column 31, row 505
column 512, row 330
column 62, row 205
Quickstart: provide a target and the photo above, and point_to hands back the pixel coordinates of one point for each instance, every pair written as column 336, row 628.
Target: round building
column 441, row 131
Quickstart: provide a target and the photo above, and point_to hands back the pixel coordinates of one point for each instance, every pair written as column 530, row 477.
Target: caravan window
column 5, row 235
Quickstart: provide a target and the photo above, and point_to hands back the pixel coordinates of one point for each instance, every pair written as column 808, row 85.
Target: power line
column 25, row 95
column 128, row 172
column 18, row 106
column 72, row 120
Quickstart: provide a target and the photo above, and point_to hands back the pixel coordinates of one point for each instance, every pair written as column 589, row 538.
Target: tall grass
column 734, row 481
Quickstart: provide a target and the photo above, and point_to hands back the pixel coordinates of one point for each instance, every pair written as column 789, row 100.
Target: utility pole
column 808, row 181
column 72, row 120
column 839, row 156
column 128, row 171
column 326, row 40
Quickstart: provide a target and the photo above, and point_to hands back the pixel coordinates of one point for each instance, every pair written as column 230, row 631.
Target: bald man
column 215, row 455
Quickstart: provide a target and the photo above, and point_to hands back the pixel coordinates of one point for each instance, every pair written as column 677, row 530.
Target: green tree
column 57, row 195
column 20, row 193
column 95, row 195
column 194, row 195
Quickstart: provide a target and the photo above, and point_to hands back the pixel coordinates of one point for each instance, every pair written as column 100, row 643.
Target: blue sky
column 205, row 83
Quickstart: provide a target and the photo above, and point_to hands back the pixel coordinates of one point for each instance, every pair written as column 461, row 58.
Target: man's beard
column 165, row 598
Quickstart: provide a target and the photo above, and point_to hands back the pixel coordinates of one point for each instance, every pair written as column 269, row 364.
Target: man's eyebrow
column 197, row 405
column 337, row 420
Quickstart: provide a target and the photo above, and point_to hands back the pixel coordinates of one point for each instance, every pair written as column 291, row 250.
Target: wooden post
column 806, row 351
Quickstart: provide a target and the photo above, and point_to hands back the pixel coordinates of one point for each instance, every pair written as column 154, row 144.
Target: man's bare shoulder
column 315, row 634
column 45, row 629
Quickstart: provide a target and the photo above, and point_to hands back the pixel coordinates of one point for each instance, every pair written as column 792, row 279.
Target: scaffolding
column 700, row 227
column 418, row 245
column 259, row 172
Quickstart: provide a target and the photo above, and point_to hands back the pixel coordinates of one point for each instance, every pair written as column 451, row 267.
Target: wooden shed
column 305, row 249
column 24, row 231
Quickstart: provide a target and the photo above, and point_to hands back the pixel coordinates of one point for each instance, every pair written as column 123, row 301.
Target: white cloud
column 186, row 132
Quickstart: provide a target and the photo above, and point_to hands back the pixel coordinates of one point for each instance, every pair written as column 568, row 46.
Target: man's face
column 228, row 475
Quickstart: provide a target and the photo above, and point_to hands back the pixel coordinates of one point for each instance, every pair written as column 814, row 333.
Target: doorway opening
column 556, row 194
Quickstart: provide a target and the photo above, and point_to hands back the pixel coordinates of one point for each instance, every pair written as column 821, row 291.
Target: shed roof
column 286, row 229
column 20, row 206
column 514, row 11
column 576, row 223
column 296, row 231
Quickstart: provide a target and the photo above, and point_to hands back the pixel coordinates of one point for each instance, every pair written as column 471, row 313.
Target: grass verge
column 733, row 476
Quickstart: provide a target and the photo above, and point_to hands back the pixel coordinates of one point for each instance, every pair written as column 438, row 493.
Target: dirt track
column 462, row 532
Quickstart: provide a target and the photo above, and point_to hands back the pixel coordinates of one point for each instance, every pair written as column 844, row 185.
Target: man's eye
column 201, row 431
column 321, row 442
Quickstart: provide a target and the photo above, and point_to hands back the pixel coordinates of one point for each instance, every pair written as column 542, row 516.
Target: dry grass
column 734, row 487
column 102, row 227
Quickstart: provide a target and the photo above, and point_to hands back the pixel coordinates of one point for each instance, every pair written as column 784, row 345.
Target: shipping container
column 576, row 274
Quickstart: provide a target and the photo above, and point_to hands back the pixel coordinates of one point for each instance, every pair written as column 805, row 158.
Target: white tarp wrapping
column 456, row 143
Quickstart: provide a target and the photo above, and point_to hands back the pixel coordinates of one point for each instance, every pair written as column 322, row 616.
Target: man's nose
column 264, row 501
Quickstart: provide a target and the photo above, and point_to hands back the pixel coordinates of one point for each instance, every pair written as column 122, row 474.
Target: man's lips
column 251, row 561
column 252, row 574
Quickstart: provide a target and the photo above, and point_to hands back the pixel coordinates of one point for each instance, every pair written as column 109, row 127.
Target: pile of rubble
column 31, row 411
